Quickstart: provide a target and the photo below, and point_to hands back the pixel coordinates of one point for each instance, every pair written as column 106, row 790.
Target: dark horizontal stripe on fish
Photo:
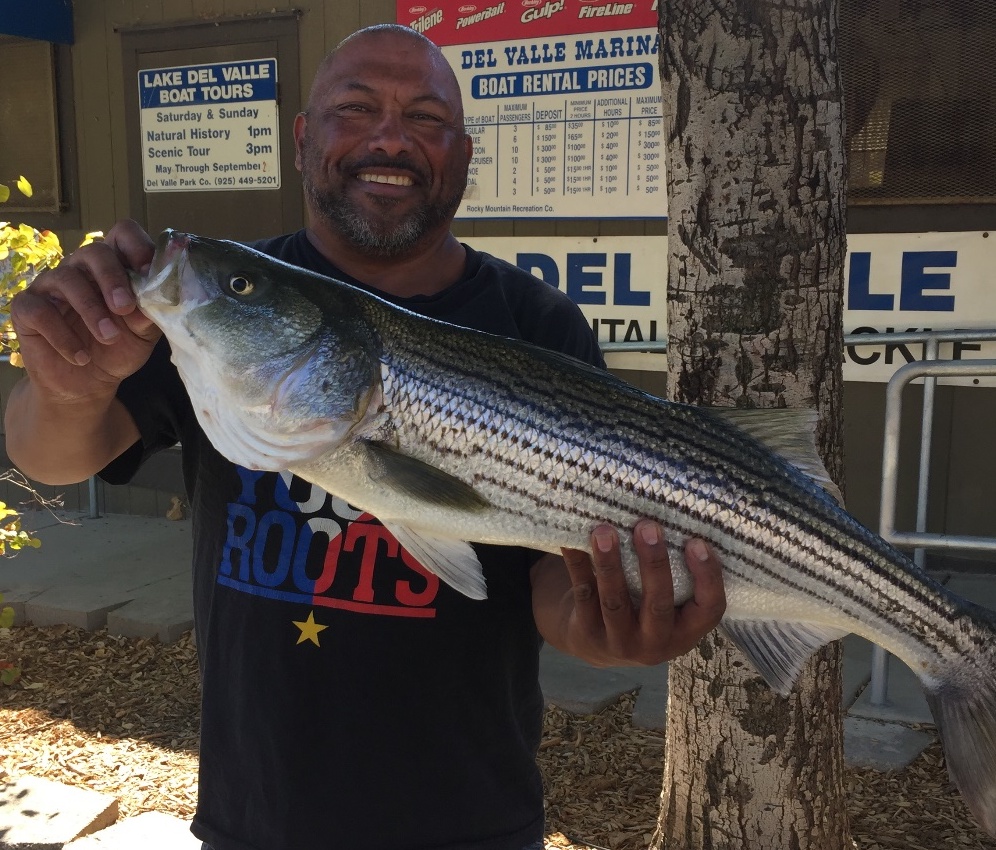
column 448, row 407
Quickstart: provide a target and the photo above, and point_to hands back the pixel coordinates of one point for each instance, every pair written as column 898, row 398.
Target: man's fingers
column 702, row 613
column 657, row 607
column 132, row 244
column 613, row 593
column 586, row 605
column 35, row 315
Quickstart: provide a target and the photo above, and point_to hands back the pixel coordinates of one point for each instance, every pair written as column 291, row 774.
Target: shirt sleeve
column 157, row 401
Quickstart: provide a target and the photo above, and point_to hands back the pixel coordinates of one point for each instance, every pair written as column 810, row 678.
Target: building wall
column 965, row 462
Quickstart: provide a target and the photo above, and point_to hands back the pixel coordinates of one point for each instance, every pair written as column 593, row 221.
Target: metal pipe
column 926, row 438
column 92, row 493
column 654, row 347
column 931, row 369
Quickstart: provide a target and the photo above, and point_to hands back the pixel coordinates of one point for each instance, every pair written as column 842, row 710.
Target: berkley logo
column 428, row 20
column 477, row 17
column 530, row 3
column 547, row 10
column 467, row 9
column 417, row 10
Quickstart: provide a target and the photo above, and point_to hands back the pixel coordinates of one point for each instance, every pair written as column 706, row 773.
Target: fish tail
column 965, row 714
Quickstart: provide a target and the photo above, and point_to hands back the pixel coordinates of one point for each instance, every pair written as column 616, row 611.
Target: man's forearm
column 55, row 442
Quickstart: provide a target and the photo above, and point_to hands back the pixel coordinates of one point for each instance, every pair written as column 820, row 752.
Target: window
column 36, row 131
column 919, row 89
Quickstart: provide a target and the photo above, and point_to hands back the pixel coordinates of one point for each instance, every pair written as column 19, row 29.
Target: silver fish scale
column 542, row 454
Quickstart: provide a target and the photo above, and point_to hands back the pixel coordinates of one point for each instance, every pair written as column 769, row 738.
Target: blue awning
column 46, row 20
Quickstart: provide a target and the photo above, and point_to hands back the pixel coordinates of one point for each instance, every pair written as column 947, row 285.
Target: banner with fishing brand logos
column 894, row 283
column 562, row 99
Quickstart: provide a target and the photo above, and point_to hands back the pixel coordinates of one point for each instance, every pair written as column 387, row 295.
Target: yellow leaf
column 4, row 193
column 92, row 236
column 25, row 187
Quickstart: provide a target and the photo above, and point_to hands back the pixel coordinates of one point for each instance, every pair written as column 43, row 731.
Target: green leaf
column 6, row 617
column 4, row 193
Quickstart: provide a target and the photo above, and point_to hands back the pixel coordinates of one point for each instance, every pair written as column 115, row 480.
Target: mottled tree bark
column 756, row 236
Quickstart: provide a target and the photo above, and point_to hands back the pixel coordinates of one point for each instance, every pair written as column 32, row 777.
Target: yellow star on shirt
column 309, row 629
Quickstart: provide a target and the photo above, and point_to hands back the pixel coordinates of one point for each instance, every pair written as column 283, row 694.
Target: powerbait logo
column 427, row 21
column 485, row 14
column 606, row 11
column 547, row 10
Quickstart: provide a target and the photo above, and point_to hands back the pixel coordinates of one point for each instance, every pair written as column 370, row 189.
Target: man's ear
column 300, row 127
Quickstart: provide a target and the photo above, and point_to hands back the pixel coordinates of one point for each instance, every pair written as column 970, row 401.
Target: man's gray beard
column 343, row 216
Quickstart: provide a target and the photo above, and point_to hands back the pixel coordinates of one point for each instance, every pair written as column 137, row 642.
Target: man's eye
column 352, row 110
column 426, row 119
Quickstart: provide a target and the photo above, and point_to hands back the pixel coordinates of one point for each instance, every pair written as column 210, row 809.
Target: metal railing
column 930, row 369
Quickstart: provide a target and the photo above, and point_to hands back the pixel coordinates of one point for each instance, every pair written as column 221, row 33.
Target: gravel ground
column 120, row 716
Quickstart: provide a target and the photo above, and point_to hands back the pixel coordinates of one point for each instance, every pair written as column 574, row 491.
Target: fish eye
column 240, row 285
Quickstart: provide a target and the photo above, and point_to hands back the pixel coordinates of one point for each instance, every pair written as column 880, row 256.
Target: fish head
column 277, row 371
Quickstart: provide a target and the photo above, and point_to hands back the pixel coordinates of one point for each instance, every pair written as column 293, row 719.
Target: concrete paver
column 38, row 814
column 147, row 831
column 883, row 746
column 87, row 568
column 577, row 687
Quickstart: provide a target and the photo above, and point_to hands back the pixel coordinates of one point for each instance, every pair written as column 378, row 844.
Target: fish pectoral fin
column 454, row 561
column 778, row 650
column 789, row 433
column 421, row 481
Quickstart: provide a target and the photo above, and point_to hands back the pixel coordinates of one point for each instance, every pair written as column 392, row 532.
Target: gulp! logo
column 547, row 10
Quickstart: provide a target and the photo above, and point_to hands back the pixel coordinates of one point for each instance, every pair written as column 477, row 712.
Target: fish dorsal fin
column 778, row 650
column 454, row 561
column 789, row 433
column 421, row 481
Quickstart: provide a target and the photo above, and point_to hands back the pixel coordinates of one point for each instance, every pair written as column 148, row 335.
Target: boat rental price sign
column 210, row 127
column 562, row 99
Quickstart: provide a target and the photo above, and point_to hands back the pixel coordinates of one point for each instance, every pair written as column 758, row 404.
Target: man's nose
column 391, row 135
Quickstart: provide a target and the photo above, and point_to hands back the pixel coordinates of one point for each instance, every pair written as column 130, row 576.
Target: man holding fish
column 350, row 699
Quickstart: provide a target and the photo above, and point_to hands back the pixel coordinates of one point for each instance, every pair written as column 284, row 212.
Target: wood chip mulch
column 120, row 716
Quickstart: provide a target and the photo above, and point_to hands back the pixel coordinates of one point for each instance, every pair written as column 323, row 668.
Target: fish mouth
column 170, row 246
column 164, row 285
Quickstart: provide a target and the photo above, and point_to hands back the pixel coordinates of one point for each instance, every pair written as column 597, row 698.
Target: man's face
column 382, row 150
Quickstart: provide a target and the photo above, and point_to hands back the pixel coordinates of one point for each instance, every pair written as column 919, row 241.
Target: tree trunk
column 756, row 237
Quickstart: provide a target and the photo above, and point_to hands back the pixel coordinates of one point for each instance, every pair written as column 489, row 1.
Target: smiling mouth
column 388, row 179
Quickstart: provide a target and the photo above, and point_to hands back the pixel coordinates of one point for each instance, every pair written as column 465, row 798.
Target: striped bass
column 450, row 436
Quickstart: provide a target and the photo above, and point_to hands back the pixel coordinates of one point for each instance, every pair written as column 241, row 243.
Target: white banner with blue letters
column 894, row 283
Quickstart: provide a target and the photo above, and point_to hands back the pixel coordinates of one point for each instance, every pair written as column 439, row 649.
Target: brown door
column 178, row 175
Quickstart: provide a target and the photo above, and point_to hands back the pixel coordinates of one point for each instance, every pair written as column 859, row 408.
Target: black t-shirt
column 350, row 699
